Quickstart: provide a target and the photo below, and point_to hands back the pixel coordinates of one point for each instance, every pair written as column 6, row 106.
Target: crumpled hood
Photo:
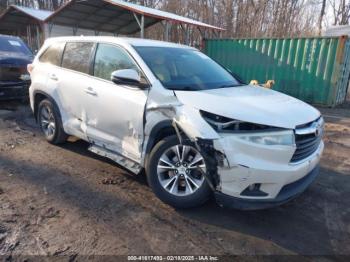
column 252, row 104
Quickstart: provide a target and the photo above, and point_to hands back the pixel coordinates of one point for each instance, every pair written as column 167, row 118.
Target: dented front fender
column 193, row 125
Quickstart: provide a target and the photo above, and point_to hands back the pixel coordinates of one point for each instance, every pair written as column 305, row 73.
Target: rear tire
column 175, row 173
column 50, row 123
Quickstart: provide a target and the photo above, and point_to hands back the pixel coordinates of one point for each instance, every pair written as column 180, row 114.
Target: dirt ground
column 66, row 201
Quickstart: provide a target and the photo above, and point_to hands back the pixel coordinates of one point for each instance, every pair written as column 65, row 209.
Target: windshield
column 14, row 45
column 186, row 69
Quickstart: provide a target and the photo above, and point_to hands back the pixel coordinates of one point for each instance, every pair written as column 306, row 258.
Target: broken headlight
column 223, row 124
column 253, row 133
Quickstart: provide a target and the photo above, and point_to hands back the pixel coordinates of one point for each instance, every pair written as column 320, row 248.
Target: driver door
column 115, row 112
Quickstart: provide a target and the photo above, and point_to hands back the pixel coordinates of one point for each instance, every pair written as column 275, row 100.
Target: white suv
column 170, row 110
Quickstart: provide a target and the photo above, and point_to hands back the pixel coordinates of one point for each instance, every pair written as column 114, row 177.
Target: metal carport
column 91, row 17
column 117, row 17
column 24, row 22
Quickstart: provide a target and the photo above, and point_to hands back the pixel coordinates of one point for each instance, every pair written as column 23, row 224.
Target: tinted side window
column 77, row 56
column 53, row 54
column 110, row 58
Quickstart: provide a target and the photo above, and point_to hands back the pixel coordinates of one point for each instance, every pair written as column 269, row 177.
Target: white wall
column 335, row 31
column 58, row 30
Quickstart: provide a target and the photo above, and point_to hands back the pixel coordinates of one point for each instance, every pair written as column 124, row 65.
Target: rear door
column 73, row 82
column 115, row 112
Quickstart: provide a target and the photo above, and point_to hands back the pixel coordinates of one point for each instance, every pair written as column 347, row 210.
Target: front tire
column 50, row 123
column 175, row 173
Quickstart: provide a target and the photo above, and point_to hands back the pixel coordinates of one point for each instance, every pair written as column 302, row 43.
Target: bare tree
column 341, row 11
column 320, row 20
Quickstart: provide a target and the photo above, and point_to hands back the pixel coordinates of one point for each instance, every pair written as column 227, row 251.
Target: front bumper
column 288, row 193
column 16, row 90
column 247, row 165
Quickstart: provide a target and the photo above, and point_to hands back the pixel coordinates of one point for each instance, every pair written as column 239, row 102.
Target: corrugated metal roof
column 114, row 16
column 15, row 18
column 160, row 14
column 34, row 13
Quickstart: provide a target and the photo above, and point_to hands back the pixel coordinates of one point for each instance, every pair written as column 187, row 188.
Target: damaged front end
column 248, row 165
column 188, row 125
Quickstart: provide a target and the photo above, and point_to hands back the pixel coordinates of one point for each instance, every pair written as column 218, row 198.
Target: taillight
column 30, row 68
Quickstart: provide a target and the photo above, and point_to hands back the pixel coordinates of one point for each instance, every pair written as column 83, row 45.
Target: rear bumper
column 287, row 193
column 14, row 91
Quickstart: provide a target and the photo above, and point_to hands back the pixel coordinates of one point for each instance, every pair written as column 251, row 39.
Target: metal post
column 166, row 31
column 184, row 32
column 75, row 30
column 142, row 26
column 38, row 44
column 50, row 29
column 188, row 36
column 44, row 30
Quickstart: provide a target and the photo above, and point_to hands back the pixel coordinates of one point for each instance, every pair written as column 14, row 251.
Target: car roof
column 136, row 42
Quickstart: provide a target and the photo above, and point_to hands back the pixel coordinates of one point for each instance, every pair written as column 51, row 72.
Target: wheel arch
column 39, row 96
column 159, row 131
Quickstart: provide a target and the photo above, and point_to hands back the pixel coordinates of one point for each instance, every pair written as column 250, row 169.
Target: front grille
column 13, row 92
column 307, row 139
column 11, row 73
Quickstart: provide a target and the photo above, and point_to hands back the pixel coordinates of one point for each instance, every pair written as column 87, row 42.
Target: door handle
column 53, row 77
column 90, row 91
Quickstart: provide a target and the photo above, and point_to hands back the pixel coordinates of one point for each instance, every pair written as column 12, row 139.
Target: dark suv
column 15, row 55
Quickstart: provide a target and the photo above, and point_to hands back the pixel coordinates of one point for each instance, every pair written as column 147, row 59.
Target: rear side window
column 53, row 54
column 77, row 56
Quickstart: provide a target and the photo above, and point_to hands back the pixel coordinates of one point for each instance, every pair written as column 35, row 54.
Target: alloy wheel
column 181, row 170
column 47, row 122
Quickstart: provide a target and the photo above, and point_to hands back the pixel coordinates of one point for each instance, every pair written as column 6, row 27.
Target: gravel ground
column 66, row 201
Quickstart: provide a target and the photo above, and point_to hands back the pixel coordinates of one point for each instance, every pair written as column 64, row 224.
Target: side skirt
column 119, row 159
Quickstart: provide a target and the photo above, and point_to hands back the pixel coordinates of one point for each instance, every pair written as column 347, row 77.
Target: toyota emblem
column 318, row 131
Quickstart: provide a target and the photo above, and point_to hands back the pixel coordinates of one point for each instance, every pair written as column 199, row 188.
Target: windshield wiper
column 191, row 88
column 185, row 88
column 228, row 86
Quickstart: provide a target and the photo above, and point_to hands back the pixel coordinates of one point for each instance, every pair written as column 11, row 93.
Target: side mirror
column 126, row 77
